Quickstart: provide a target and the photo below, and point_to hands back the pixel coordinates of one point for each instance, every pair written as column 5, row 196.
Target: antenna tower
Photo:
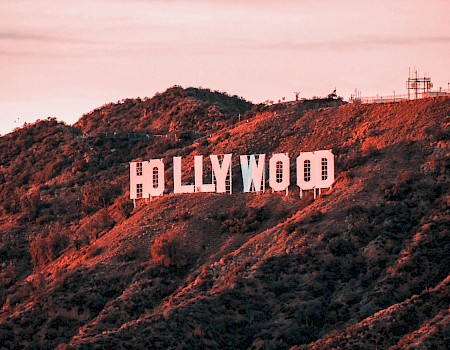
column 417, row 87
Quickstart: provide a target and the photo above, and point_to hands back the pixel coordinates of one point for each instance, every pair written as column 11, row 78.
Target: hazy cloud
column 356, row 43
column 29, row 35
column 24, row 36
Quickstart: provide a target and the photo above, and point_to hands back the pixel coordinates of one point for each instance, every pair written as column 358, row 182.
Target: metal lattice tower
column 417, row 86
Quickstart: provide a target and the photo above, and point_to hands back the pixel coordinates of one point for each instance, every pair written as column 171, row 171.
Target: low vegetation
column 364, row 266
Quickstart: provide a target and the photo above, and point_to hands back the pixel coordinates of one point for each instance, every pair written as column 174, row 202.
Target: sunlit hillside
column 364, row 266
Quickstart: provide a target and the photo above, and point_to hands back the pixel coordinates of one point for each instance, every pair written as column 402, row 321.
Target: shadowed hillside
column 364, row 266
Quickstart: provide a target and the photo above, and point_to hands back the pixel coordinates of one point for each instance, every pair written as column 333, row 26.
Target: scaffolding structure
column 418, row 87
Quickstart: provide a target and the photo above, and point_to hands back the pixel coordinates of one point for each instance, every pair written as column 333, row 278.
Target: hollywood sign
column 315, row 171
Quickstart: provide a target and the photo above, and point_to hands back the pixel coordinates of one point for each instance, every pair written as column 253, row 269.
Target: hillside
column 175, row 110
column 364, row 266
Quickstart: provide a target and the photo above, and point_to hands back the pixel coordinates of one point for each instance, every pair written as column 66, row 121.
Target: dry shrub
column 239, row 220
column 314, row 216
column 48, row 245
column 171, row 249
column 125, row 206
column 94, row 251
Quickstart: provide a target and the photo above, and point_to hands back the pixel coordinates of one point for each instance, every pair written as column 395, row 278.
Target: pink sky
column 64, row 58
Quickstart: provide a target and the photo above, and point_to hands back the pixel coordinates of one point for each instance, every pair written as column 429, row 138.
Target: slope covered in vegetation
column 175, row 110
column 364, row 266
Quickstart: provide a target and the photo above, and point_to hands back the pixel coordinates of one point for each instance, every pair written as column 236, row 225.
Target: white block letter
column 139, row 177
column 198, row 168
column 279, row 173
column 155, row 174
column 221, row 172
column 306, row 162
column 325, row 169
column 253, row 173
column 177, row 186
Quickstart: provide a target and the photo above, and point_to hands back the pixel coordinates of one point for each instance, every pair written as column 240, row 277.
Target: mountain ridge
column 174, row 110
column 364, row 265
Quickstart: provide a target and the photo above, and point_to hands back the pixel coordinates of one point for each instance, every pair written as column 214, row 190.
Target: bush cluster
column 239, row 220
column 172, row 249
column 48, row 245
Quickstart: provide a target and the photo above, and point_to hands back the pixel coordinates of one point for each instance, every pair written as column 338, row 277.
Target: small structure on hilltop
column 333, row 95
column 436, row 93
column 418, row 87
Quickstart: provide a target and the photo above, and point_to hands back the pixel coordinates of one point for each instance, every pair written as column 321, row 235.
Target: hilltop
column 174, row 110
column 366, row 265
